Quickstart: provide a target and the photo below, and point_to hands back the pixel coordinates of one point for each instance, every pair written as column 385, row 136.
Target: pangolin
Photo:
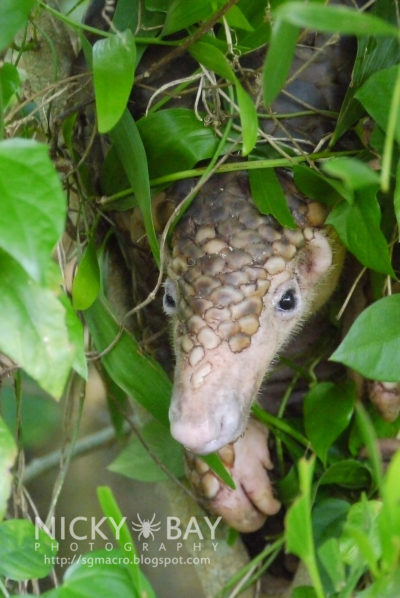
column 239, row 286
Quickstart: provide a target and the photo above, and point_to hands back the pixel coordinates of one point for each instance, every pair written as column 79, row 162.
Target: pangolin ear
column 315, row 260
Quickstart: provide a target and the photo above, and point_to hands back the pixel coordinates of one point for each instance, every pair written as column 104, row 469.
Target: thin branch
column 11, row 115
column 232, row 167
column 350, row 293
column 160, row 64
column 74, row 395
column 85, row 445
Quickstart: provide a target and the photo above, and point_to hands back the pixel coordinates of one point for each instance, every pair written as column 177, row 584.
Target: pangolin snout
column 205, row 433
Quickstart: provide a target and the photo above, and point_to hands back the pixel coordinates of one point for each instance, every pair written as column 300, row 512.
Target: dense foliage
column 343, row 517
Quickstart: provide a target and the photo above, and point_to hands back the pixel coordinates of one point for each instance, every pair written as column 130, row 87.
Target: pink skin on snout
column 205, row 419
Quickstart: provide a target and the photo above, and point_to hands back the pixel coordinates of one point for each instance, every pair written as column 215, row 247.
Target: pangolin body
column 239, row 284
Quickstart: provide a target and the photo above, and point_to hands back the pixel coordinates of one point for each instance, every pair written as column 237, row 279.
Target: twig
column 18, row 123
column 85, row 445
column 164, row 88
column 156, row 460
column 350, row 293
column 234, row 167
column 238, row 588
column 160, row 64
column 10, row 116
column 74, row 394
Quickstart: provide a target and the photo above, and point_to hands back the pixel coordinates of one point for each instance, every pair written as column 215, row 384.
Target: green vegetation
column 343, row 512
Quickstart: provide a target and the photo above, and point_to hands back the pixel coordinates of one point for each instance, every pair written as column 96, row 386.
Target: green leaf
column 33, row 329
column 259, row 37
column 359, row 541
column 13, row 16
column 376, row 95
column 140, row 376
column 25, row 552
column 396, row 197
column 358, row 228
column 330, row 557
column 236, row 19
column 268, row 195
column 127, row 14
column 356, row 175
column 213, row 460
column 33, row 204
column 372, row 345
column 366, row 430
column 76, row 337
column 248, row 119
column 279, row 58
column 392, row 133
column 298, row 528
column 213, row 59
column 365, row 545
column 348, row 473
column 289, row 17
column 334, row 19
column 373, row 54
column 288, row 486
column 117, row 402
column 9, row 82
column 99, row 573
column 114, row 60
column 181, row 14
column 328, row 518
column 8, row 452
column 157, row 5
column 86, row 284
column 304, row 592
column 389, row 518
column 41, row 415
column 386, row 586
column 135, row 461
column 316, row 186
column 175, row 139
column 328, row 408
column 111, row 510
column 131, row 152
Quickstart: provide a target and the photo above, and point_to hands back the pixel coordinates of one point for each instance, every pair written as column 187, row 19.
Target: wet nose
column 221, row 426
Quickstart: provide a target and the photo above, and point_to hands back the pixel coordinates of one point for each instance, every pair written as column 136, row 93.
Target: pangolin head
column 238, row 285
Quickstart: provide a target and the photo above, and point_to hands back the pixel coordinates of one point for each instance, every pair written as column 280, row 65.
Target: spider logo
column 146, row 527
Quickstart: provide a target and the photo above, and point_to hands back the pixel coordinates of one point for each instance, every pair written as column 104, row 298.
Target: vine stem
column 233, row 167
column 184, row 44
column 83, row 27
column 85, row 445
column 390, row 135
column 3, row 589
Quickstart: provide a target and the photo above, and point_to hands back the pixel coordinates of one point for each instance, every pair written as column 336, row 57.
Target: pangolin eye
column 169, row 301
column 170, row 298
column 288, row 301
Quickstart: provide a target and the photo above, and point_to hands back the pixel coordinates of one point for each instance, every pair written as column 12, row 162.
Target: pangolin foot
column 247, row 461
